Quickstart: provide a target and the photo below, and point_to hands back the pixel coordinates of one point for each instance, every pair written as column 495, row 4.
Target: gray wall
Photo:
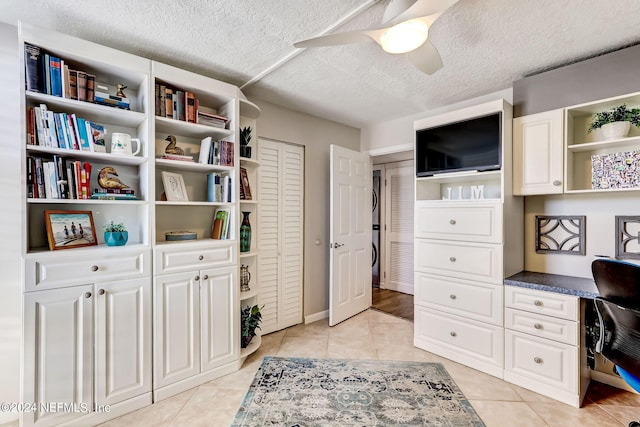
column 605, row 76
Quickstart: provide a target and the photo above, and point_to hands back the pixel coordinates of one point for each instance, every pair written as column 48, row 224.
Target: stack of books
column 214, row 120
column 104, row 98
column 114, row 194
column 176, row 157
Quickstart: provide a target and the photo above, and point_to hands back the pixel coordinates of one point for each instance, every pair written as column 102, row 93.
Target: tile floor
column 375, row 335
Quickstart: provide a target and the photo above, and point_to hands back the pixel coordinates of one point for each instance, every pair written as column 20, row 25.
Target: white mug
column 121, row 144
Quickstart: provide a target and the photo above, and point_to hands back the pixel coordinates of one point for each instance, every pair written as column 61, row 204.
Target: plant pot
column 616, row 130
column 245, row 151
column 116, row 238
column 245, row 341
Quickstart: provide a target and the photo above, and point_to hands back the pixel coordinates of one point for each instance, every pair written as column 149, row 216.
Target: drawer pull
column 453, row 334
column 538, row 360
column 87, row 295
column 452, row 296
column 557, row 183
column 94, row 268
column 452, row 259
column 206, row 277
column 537, row 303
column 452, row 221
column 101, row 292
column 537, row 325
column 197, row 278
column 201, row 257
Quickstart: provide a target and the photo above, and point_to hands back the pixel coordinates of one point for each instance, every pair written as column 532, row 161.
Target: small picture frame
column 245, row 189
column 174, row 187
column 69, row 229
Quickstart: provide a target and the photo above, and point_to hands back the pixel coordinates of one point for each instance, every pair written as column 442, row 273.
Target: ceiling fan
column 406, row 30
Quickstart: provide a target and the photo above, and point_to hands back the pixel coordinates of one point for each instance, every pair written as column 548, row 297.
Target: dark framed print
column 70, row 229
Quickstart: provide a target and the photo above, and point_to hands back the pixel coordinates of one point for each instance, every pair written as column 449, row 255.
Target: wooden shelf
column 248, row 254
column 191, row 166
column 249, row 294
column 253, row 346
column 86, row 201
column 619, row 143
column 187, row 129
column 249, row 202
column 92, row 156
column 245, row 161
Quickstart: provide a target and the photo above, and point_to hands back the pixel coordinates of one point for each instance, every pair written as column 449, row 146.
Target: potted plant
column 250, row 321
column 245, row 139
column 115, row 234
column 616, row 122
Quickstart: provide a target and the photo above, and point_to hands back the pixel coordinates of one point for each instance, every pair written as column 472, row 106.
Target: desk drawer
column 470, row 222
column 182, row 257
column 548, row 362
column 561, row 330
column 60, row 270
column 541, row 302
column 472, row 261
column 475, row 300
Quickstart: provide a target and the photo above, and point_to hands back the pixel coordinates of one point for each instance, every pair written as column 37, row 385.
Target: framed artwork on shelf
column 174, row 187
column 69, row 229
column 245, row 189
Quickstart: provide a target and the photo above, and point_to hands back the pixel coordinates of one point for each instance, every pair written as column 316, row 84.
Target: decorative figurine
column 172, row 148
column 120, row 91
column 107, row 181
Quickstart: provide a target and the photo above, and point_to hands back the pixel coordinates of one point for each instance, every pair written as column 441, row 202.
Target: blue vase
column 116, row 238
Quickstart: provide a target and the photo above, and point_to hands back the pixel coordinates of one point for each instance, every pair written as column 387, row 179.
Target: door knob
column 557, row 183
column 337, row 245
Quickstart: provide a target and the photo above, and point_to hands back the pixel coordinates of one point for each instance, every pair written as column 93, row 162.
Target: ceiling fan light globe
column 404, row 37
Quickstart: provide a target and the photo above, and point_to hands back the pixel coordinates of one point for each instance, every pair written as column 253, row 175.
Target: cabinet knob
column 537, row 325
column 452, row 259
column 87, row 294
column 453, row 334
column 557, row 183
column 206, row 277
column 94, row 268
column 537, row 303
column 538, row 360
column 452, row 221
column 201, row 257
column 101, row 292
column 452, row 296
column 197, row 278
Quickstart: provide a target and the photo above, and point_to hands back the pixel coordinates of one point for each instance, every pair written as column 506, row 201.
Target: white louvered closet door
column 399, row 229
column 280, row 234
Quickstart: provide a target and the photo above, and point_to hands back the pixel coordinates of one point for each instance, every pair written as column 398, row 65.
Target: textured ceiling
column 485, row 45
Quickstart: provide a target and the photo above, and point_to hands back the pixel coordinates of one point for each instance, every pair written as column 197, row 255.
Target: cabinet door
column 58, row 343
column 219, row 317
column 176, row 327
column 123, row 340
column 538, row 153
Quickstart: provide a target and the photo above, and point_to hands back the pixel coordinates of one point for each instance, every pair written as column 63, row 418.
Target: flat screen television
column 473, row 144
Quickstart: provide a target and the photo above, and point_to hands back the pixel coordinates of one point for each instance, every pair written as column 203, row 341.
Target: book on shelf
column 176, row 157
column 162, row 100
column 65, row 79
column 106, row 95
column 245, row 189
column 205, row 150
column 214, row 187
column 222, row 230
column 169, row 103
column 33, row 65
column 91, row 87
column 46, row 74
column 190, row 107
column 55, row 75
column 97, row 132
column 104, row 196
column 111, row 102
column 81, row 81
column 73, row 84
column 129, row 191
column 179, row 112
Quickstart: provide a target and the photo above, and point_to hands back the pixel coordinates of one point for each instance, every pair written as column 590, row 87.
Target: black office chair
column 618, row 308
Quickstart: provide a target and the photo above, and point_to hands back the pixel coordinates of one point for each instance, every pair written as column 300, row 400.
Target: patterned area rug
column 297, row 392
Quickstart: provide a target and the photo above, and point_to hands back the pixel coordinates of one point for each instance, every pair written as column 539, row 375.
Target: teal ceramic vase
column 116, row 238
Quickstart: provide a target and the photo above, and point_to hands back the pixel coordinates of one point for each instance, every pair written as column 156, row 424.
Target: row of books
column 216, row 152
column 61, row 130
column 57, row 178
column 183, row 105
column 47, row 73
column 220, row 229
column 218, row 187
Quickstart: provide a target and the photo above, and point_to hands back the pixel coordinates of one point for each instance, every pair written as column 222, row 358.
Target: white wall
column 398, row 134
column 600, row 210
column 316, row 135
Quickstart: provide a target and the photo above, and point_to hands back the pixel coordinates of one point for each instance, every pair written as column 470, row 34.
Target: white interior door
column 399, row 229
column 350, row 224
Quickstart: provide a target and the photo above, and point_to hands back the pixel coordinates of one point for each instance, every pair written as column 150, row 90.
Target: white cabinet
column 462, row 254
column 281, row 234
column 67, row 329
column 538, row 153
column 544, row 344
column 196, row 327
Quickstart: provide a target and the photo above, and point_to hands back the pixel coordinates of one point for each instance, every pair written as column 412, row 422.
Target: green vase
column 245, row 233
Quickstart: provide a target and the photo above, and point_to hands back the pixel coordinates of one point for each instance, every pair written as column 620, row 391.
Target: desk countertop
column 577, row 286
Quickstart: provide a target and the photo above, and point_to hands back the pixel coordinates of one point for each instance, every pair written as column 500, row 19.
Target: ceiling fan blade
column 337, row 39
column 421, row 8
column 426, row 58
column 395, row 8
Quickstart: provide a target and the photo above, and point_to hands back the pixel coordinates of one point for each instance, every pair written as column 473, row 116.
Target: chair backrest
column 620, row 335
column 617, row 281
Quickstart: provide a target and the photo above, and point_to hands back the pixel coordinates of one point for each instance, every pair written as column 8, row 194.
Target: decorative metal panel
column 628, row 237
column 561, row 234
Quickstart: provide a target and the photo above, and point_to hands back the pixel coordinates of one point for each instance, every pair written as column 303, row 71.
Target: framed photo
column 245, row 189
column 70, row 229
column 174, row 187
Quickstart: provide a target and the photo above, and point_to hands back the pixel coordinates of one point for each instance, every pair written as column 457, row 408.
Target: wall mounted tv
column 473, row 144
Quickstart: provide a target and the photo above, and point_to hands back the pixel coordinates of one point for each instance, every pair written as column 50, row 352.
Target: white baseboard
column 316, row 316
column 405, row 289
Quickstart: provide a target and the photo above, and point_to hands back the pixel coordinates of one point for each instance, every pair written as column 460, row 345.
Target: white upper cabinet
column 538, row 153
